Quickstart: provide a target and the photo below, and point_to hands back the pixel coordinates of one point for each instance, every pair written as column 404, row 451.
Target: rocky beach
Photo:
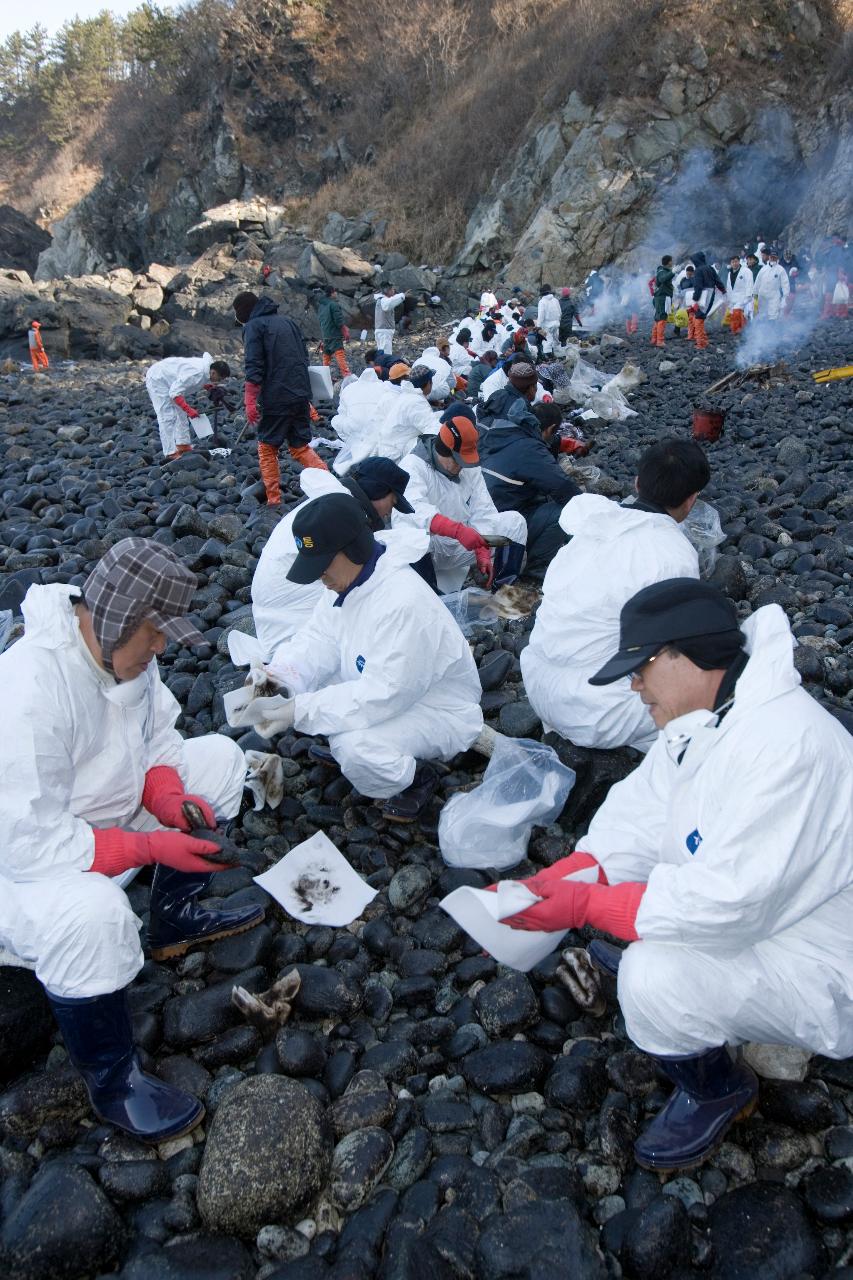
column 423, row 1111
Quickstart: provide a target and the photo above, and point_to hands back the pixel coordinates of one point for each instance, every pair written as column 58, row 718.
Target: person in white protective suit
column 281, row 607
column 614, row 551
column 383, row 318
column 548, row 316
column 488, row 300
column 407, row 417
column 437, row 359
column 453, row 505
column 725, row 859
column 461, row 358
column 168, row 383
column 381, row 668
column 771, row 289
column 95, row 779
column 739, row 287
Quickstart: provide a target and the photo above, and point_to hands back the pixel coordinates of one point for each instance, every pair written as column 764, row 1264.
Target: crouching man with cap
column 407, row 688
column 95, row 777
column 725, row 860
column 452, row 503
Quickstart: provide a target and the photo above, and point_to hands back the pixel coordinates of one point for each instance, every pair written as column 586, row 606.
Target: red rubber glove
column 467, row 537
column 570, row 904
column 345, row 332
column 187, row 408
column 483, row 556
column 163, row 796
column 577, row 861
column 250, row 399
column 117, row 851
column 569, row 445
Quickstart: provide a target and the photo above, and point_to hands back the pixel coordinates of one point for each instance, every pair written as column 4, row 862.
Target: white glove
column 273, row 715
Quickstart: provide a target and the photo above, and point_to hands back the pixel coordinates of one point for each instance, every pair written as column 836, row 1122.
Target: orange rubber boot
column 306, row 457
column 270, row 473
column 183, row 448
column 701, row 335
column 341, row 357
column 691, row 326
column 313, row 414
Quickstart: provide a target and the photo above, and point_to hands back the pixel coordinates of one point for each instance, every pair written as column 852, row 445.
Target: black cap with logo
column 323, row 527
column 664, row 613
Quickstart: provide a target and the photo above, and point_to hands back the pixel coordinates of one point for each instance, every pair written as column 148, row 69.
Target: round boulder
column 267, row 1154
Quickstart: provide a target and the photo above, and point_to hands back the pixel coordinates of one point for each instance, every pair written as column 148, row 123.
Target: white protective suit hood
column 596, row 517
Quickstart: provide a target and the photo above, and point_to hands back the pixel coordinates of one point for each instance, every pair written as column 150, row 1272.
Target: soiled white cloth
column 315, row 884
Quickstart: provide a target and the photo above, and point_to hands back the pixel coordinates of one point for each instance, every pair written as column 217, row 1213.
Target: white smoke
column 766, row 341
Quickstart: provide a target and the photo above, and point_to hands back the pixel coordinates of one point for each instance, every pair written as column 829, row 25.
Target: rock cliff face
column 740, row 139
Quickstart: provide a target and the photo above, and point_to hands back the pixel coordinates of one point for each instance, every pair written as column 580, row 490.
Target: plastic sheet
column 702, row 527
column 525, row 784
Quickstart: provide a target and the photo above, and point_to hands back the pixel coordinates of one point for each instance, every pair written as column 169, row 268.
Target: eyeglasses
column 648, row 662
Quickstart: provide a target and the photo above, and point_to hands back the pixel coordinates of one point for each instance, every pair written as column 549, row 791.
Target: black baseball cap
column 323, row 527
column 380, row 476
column 662, row 614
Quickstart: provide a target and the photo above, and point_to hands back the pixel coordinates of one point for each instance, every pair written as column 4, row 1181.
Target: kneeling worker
column 95, row 780
column 452, row 503
column 408, row 689
column 725, row 860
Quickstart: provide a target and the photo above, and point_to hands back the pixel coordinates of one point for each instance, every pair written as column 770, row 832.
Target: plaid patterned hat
column 139, row 581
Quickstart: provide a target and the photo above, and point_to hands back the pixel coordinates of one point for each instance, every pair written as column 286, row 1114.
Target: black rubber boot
column 712, row 1091
column 98, row 1036
column 409, row 804
column 605, row 956
column 177, row 921
column 509, row 561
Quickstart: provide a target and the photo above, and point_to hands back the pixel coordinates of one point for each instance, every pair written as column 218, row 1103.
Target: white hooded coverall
column 176, row 376
column 407, row 688
column 74, row 756
column 407, row 416
column 747, row 848
column 465, row 499
column 615, row 551
column 739, row 294
column 548, row 316
column 771, row 287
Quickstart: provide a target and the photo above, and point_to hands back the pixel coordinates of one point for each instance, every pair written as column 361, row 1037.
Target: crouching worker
column 407, row 689
column 95, row 777
column 725, row 860
column 451, row 501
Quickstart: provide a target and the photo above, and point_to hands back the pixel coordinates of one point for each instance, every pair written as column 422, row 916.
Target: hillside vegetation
column 405, row 110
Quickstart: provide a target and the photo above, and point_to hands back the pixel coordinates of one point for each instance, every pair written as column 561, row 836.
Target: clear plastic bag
column 6, row 620
column 525, row 785
column 702, row 527
column 472, row 607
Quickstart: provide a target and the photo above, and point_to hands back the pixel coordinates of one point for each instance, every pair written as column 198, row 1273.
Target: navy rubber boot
column 177, row 921
column 605, row 956
column 409, row 804
column 712, row 1091
column 509, row 560
column 98, row 1035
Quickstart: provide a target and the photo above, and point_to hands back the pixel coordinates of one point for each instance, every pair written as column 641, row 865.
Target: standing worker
column 549, row 316
column 383, row 315
column 276, row 361
column 569, row 313
column 168, row 383
column 333, row 329
column 38, row 355
column 739, row 283
column 705, row 284
column 662, row 297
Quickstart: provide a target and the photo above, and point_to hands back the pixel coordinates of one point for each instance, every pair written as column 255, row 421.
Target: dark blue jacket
column 276, row 357
column 506, row 403
column 527, row 471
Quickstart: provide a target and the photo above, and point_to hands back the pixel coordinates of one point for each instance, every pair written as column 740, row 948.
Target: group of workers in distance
column 724, row 860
